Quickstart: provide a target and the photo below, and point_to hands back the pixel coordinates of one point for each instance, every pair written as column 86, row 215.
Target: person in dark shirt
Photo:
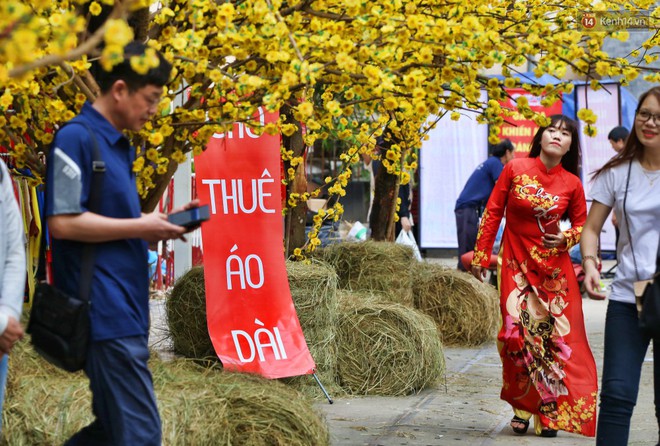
column 475, row 194
column 617, row 138
column 123, row 399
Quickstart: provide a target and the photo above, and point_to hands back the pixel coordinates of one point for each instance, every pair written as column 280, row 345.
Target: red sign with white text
column 521, row 130
column 251, row 318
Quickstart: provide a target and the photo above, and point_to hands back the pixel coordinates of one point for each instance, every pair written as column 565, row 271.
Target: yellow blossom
column 289, row 129
column 156, row 138
column 306, row 109
column 95, row 8
column 118, row 32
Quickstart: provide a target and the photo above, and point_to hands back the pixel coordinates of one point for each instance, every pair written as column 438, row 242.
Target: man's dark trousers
column 123, row 398
column 467, row 226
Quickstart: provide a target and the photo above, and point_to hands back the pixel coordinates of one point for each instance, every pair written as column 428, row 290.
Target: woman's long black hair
column 572, row 160
column 633, row 148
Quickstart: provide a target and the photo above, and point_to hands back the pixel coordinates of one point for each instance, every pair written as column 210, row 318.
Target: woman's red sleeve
column 577, row 213
column 490, row 220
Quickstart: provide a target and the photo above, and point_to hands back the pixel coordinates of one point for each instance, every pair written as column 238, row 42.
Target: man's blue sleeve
column 67, row 178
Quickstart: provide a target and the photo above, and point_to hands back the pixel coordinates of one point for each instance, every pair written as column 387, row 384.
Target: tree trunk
column 381, row 220
column 150, row 201
column 139, row 21
column 296, row 218
column 154, row 195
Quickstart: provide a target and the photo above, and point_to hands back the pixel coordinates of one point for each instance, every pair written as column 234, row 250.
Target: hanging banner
column 250, row 314
column 447, row 159
column 597, row 150
column 605, row 103
column 521, row 130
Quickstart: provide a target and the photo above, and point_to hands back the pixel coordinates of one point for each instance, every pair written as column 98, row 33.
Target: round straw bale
column 43, row 405
column 243, row 409
column 385, row 348
column 465, row 310
column 373, row 266
column 186, row 316
column 313, row 285
column 198, row 406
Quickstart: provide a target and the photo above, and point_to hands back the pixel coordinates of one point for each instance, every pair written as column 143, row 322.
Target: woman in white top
column 630, row 184
column 12, row 273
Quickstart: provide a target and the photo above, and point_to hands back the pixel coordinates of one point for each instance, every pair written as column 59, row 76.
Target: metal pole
column 322, row 388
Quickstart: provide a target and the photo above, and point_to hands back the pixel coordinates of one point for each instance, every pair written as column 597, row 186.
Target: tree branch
column 84, row 48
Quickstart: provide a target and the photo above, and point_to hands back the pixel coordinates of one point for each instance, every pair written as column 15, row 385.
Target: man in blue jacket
column 474, row 196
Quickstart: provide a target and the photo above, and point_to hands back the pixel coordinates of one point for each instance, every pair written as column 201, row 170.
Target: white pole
column 182, row 195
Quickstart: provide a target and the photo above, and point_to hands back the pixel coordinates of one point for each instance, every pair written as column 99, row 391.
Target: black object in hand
column 190, row 218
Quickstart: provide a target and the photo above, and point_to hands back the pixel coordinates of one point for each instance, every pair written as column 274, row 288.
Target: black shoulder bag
column 647, row 292
column 59, row 324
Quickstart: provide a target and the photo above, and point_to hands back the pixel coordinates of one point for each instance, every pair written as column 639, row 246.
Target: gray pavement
column 466, row 410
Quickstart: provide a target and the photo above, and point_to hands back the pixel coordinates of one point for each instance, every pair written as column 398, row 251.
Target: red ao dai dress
column 548, row 367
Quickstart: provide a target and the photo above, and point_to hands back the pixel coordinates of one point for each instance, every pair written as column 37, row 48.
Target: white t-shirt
column 643, row 211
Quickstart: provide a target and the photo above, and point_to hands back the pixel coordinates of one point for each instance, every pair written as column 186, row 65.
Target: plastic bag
column 358, row 232
column 407, row 238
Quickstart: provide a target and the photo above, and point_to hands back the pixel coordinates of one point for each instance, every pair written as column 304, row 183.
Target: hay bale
column 198, row 406
column 386, row 348
column 373, row 266
column 465, row 310
column 43, row 404
column 233, row 409
column 313, row 287
column 186, row 316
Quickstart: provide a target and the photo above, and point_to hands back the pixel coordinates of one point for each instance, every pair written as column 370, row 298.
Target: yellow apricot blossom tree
column 335, row 69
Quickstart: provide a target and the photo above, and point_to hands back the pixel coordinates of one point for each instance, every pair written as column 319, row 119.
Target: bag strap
column 625, row 216
column 89, row 250
column 657, row 262
column 88, row 255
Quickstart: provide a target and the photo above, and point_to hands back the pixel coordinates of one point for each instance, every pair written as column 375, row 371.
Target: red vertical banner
column 521, row 130
column 251, row 318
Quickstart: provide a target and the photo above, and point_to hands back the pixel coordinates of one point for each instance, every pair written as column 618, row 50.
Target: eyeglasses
column 151, row 101
column 644, row 116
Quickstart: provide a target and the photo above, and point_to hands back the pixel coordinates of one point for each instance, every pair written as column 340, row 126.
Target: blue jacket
column 477, row 190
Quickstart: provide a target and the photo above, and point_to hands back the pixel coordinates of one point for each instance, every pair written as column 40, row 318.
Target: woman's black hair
column 572, row 160
column 633, row 147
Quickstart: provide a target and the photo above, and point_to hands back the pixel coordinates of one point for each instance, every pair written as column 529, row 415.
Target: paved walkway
column 466, row 409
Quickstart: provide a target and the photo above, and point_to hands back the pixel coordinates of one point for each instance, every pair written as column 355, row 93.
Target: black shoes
column 548, row 433
column 519, row 430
